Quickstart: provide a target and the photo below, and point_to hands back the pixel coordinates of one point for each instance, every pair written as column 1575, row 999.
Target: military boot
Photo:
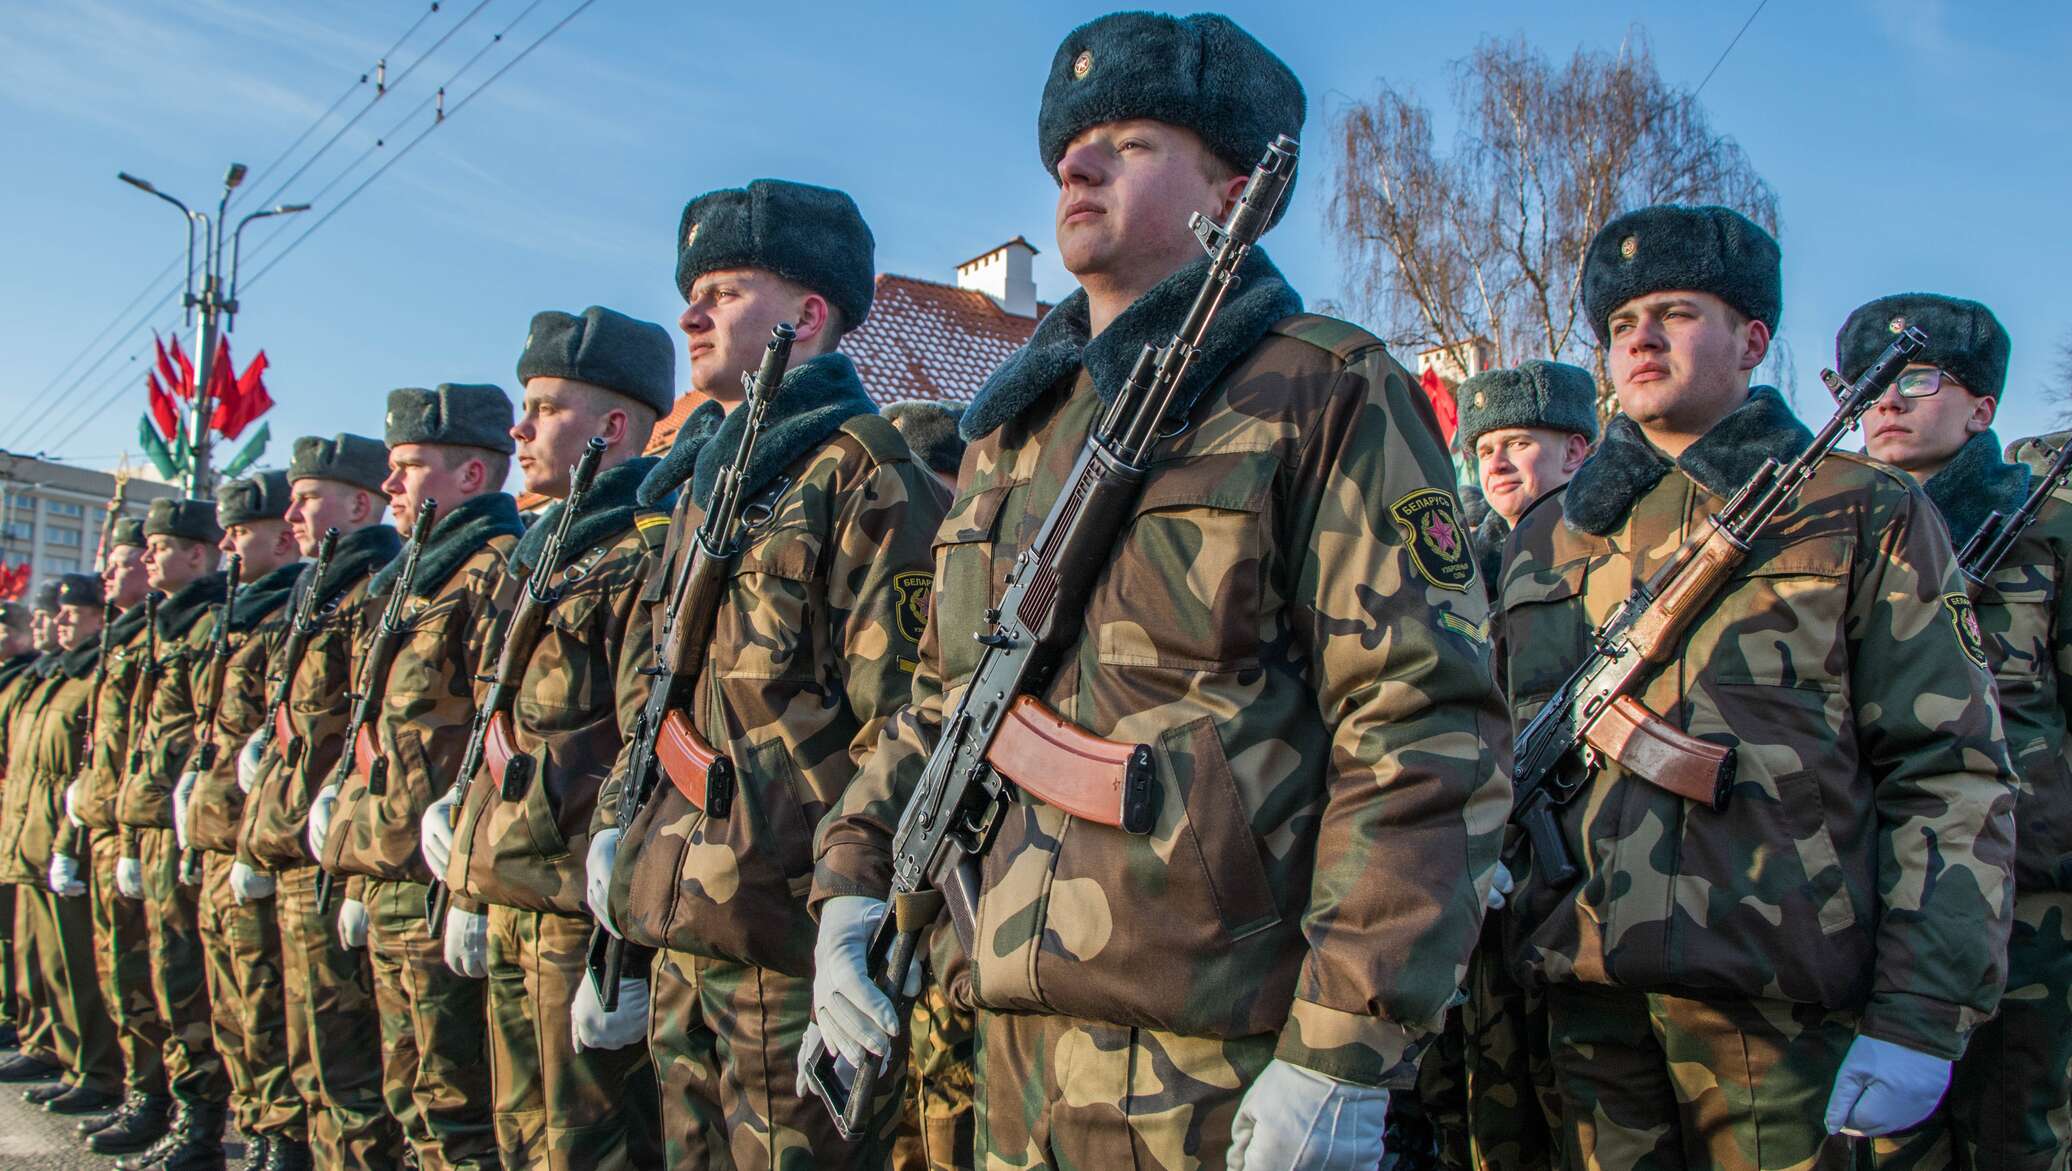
column 23, row 1067
column 38, row 1095
column 130, row 1105
column 10, row 1037
column 81, row 1100
column 197, row 1145
column 289, row 1155
column 139, row 1131
column 258, row 1149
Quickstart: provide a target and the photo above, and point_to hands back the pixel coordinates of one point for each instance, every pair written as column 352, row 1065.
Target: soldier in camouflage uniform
column 1525, row 431
column 20, row 986
column 122, row 947
column 936, row 1130
column 1235, row 988
column 328, row 985
column 520, row 855
column 17, row 653
column 180, row 560
column 813, row 648
column 1733, row 986
column 2010, row 1103
column 241, row 939
column 54, row 923
column 451, row 445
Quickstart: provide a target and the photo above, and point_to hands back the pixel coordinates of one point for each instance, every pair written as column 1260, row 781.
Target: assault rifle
column 1001, row 739
column 152, row 601
column 302, row 625
column 361, row 732
column 1983, row 552
column 663, row 737
column 1594, row 710
column 204, row 757
column 80, row 840
column 492, row 742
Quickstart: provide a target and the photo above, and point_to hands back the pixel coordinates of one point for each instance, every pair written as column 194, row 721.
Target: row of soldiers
column 1322, row 666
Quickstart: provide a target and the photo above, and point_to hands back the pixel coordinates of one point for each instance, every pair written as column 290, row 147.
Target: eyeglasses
column 1923, row 381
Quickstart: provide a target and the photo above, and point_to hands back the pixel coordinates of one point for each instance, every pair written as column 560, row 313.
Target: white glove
column 593, row 1028
column 1501, row 884
column 435, row 832
column 1296, row 1119
column 183, row 794
column 248, row 759
column 72, row 805
column 467, row 943
column 1883, row 1088
column 853, row 1015
column 64, row 876
column 248, row 885
column 597, row 872
column 352, row 925
column 129, row 878
column 321, row 811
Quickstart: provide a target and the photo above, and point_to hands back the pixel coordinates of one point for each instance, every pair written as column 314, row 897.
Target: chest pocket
column 2014, row 613
column 1546, row 631
column 568, row 681
column 1782, row 623
column 1186, row 588
column 765, row 631
column 429, row 646
column 970, row 573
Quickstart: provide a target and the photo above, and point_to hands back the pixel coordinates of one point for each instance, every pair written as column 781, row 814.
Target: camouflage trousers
column 1651, row 1082
column 1054, row 1092
column 725, row 1038
column 557, row 1108
column 28, row 1000
column 434, row 1034
column 935, row 1127
column 1486, row 1085
column 57, row 934
column 122, row 961
column 179, row 972
column 329, row 1005
column 242, row 945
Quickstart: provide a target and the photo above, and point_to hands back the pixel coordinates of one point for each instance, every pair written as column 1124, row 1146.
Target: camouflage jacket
column 2026, row 614
column 1862, row 861
column 300, row 762
column 218, row 805
column 163, row 736
column 42, row 764
column 123, row 644
column 1291, row 620
column 813, row 648
column 21, row 683
column 574, row 707
column 428, row 701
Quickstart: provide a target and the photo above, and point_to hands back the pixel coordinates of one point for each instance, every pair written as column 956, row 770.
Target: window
column 64, row 565
column 64, row 508
column 18, row 530
column 64, row 538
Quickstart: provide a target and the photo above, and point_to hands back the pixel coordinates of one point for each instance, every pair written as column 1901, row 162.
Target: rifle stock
column 204, row 757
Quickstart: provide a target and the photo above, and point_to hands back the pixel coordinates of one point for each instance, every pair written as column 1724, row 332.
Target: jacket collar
column 1976, row 482
column 1626, row 466
column 607, row 509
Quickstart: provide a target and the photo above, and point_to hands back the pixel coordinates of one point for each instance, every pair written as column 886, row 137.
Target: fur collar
column 1060, row 346
column 607, row 510
column 21, row 664
column 464, row 529
column 1625, row 465
column 1977, row 482
column 126, row 624
column 815, row 398
column 674, row 468
column 46, row 664
column 185, row 606
column 359, row 553
column 257, row 599
column 78, row 664
column 1487, row 540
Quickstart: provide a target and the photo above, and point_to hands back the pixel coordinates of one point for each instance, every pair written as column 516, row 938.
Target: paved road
column 31, row 1140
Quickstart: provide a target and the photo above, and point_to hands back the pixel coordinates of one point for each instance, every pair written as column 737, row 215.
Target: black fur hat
column 348, row 459
column 1535, row 393
column 457, row 414
column 606, row 348
column 812, row 235
column 930, row 429
column 1668, row 247
column 261, row 497
column 189, row 520
column 1964, row 338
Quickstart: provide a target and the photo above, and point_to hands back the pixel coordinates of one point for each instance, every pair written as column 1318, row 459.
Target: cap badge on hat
column 1628, row 247
column 1481, row 400
column 1082, row 64
column 389, row 420
column 690, row 236
column 1896, row 325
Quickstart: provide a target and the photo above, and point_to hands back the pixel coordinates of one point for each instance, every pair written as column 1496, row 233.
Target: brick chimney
column 1005, row 275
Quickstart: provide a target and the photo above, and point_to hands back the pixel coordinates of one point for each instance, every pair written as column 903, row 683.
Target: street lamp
column 218, row 300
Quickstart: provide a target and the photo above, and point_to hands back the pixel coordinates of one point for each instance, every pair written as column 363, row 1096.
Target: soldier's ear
column 1755, row 344
column 1983, row 408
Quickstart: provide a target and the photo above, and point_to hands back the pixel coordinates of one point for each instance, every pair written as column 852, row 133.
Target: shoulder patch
column 652, row 528
column 1435, row 538
column 1969, row 637
column 1342, row 339
column 911, row 590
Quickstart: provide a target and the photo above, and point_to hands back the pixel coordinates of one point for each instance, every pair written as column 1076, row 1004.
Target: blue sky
column 1912, row 143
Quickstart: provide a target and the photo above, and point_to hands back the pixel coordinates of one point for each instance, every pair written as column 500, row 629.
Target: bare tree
column 2059, row 392
column 1487, row 238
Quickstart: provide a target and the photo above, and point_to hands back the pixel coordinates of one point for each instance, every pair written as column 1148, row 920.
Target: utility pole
column 217, row 306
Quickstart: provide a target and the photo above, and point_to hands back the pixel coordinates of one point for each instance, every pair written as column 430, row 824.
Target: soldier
column 241, row 940
column 1234, row 987
column 452, row 446
column 20, row 988
column 52, row 922
column 327, row 984
column 930, row 429
column 813, row 648
column 558, row 1104
column 17, row 652
column 180, row 558
column 2009, row 1102
column 1829, row 938
column 122, row 940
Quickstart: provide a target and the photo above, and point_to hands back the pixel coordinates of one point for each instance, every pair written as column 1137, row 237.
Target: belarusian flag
column 249, row 453
column 154, row 447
